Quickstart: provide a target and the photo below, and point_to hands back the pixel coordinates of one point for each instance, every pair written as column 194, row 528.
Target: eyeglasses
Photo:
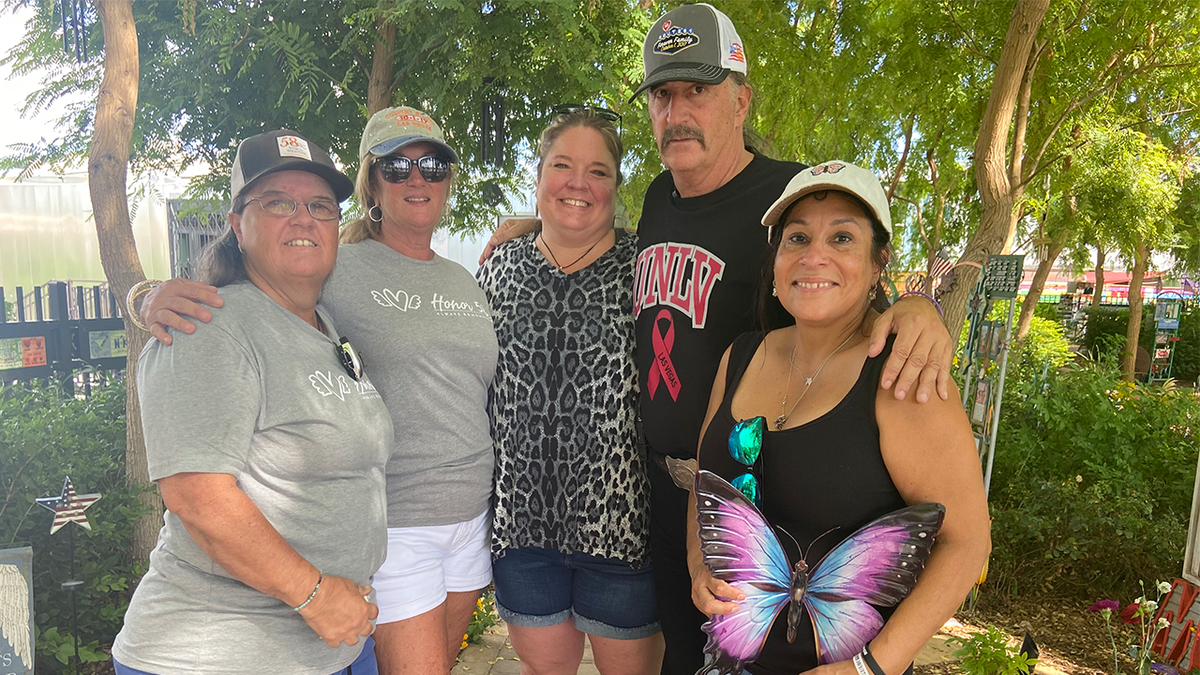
column 745, row 445
column 350, row 359
column 280, row 205
column 603, row 113
column 433, row 169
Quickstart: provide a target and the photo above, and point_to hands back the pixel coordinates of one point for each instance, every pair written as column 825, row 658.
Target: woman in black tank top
column 837, row 452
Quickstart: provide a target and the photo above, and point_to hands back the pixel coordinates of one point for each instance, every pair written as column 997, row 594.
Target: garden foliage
column 1106, row 322
column 44, row 436
column 1093, row 478
column 988, row 653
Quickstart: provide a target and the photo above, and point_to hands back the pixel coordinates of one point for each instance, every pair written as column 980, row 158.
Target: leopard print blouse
column 570, row 472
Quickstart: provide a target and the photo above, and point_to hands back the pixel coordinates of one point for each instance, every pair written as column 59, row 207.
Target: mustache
column 682, row 132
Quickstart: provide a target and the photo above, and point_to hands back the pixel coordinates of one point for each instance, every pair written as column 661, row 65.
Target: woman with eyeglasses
column 798, row 423
column 570, row 532
column 424, row 329
column 268, row 444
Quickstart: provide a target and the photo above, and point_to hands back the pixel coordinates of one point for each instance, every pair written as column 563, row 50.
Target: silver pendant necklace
column 784, row 411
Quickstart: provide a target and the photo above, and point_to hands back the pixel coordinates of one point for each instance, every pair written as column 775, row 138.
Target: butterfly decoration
column 877, row 565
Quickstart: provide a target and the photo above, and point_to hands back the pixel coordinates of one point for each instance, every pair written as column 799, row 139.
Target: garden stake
column 69, row 507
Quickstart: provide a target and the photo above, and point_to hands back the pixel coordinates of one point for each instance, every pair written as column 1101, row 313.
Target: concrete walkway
column 495, row 656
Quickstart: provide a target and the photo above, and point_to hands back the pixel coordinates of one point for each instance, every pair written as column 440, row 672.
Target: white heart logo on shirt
column 398, row 299
column 325, row 384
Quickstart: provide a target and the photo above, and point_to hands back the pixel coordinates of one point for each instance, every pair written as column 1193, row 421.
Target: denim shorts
column 365, row 664
column 605, row 597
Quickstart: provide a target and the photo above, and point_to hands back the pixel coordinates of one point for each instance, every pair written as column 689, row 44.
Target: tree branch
column 969, row 41
column 1021, row 123
column 908, row 129
column 420, row 55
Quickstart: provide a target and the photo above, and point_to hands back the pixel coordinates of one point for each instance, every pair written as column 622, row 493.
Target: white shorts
column 425, row 563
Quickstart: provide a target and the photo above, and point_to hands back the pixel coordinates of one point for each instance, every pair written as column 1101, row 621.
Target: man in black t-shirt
column 702, row 251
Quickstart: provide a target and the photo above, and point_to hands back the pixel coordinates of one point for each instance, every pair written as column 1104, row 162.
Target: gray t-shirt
column 258, row 394
column 425, row 331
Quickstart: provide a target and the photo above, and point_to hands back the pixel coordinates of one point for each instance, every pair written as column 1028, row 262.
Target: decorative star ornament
column 69, row 507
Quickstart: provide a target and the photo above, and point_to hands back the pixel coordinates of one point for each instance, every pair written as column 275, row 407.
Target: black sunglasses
column 350, row 359
column 394, row 169
column 603, row 113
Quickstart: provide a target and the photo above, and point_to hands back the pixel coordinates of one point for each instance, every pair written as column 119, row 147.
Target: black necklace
column 555, row 260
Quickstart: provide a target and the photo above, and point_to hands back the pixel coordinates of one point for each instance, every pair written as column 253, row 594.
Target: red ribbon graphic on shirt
column 662, row 368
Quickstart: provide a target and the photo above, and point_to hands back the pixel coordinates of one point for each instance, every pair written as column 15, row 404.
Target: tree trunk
column 1098, row 291
column 379, row 84
column 998, row 195
column 1129, row 358
column 108, row 164
column 1038, row 283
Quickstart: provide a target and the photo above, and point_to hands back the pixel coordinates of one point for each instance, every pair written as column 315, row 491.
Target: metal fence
column 58, row 330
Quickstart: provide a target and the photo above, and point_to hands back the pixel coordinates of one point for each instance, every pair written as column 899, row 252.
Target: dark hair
column 221, row 262
column 585, row 117
column 769, row 309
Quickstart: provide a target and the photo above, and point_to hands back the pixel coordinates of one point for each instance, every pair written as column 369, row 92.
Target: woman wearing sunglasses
column 798, row 423
column 572, row 504
column 267, row 443
column 424, row 325
column 424, row 329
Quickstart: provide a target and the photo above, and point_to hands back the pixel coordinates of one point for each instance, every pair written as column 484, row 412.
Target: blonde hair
column 366, row 185
column 581, row 118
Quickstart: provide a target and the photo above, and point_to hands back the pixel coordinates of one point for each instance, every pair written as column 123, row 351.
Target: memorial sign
column 16, row 611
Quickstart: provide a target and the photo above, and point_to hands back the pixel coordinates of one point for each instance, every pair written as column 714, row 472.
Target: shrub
column 1092, row 485
column 44, row 435
column 1187, row 351
column 988, row 653
column 1107, row 323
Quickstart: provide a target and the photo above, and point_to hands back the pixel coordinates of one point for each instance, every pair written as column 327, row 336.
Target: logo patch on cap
column 293, row 146
column 407, row 118
column 832, row 167
column 736, row 53
column 675, row 40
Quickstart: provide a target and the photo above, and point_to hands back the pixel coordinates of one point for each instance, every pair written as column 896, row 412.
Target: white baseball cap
column 833, row 175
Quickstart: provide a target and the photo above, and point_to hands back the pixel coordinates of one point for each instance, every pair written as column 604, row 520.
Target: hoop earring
column 370, row 214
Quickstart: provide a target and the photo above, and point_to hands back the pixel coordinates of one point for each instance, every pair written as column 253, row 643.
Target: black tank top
column 827, row 474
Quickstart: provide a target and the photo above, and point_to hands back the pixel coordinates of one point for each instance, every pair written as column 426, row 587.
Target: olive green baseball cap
column 393, row 128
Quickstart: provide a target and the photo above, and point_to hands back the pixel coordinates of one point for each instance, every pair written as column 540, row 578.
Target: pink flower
column 1101, row 605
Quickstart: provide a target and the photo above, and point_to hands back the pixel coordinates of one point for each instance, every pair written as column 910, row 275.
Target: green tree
column 1128, row 189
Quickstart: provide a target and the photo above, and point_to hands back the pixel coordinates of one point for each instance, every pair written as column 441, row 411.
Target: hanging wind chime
column 491, row 142
column 74, row 27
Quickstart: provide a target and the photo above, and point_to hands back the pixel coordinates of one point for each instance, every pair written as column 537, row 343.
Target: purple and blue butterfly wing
column 741, row 550
column 877, row 565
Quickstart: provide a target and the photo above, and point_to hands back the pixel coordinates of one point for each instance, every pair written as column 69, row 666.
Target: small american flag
column 68, row 507
column 940, row 265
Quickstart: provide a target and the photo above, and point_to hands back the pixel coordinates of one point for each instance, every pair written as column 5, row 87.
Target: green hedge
column 44, row 436
column 1106, row 326
column 1093, row 477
